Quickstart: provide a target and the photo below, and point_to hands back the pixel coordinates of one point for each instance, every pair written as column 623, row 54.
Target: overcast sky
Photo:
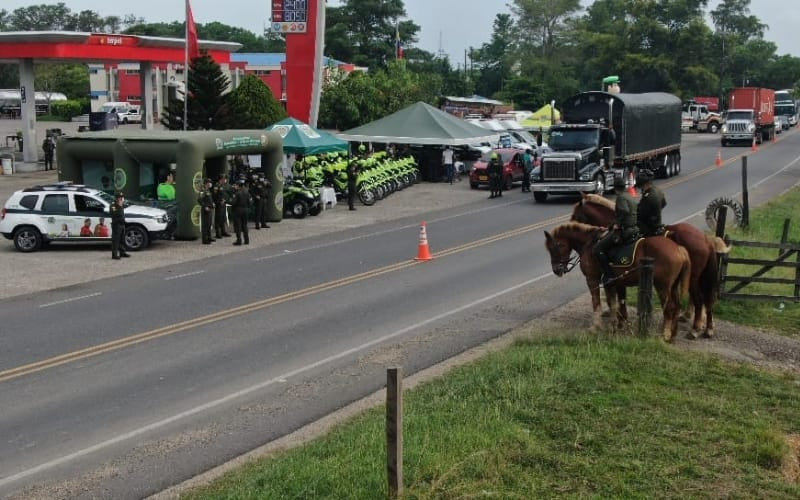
column 452, row 25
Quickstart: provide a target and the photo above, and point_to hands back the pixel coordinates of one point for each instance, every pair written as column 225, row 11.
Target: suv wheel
column 27, row 239
column 135, row 238
column 539, row 196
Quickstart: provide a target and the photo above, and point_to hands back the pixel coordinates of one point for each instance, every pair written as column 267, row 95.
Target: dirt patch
column 791, row 464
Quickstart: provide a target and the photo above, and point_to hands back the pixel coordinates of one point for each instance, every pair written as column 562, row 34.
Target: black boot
column 608, row 272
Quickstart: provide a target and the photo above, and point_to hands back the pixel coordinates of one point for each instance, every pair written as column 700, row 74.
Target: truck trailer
column 750, row 116
column 606, row 135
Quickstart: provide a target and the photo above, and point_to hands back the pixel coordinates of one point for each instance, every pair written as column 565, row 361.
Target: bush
column 65, row 110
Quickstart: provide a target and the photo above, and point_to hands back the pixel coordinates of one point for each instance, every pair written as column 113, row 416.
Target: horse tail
column 686, row 272
column 719, row 244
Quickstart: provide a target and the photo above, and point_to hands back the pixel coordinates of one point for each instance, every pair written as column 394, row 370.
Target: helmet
column 644, row 177
column 619, row 182
column 119, row 194
column 495, row 156
column 361, row 148
column 209, row 181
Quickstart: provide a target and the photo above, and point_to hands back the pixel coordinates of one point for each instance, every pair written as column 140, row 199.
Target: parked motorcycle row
column 379, row 175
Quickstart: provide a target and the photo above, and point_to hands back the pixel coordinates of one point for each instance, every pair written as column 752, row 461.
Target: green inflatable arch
column 129, row 161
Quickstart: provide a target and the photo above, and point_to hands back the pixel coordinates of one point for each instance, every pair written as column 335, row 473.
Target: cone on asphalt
column 718, row 161
column 424, row 252
column 632, row 185
column 754, row 148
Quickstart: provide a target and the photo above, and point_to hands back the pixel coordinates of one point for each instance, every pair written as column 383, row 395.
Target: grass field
column 567, row 415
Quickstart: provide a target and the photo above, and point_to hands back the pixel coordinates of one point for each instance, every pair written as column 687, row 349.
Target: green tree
column 207, row 99
column 70, row 79
column 363, row 31
column 542, row 24
column 253, row 106
column 495, row 59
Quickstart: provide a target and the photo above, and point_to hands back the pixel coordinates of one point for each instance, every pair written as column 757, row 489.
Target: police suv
column 66, row 212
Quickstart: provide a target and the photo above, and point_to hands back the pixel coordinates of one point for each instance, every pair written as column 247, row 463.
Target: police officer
column 527, row 167
column 259, row 190
column 352, row 176
column 241, row 206
column 222, row 196
column 623, row 230
column 49, row 147
column 650, row 205
column 495, row 172
column 206, row 202
column 117, row 211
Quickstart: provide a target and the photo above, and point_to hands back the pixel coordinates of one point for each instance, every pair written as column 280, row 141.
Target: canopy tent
column 421, row 124
column 299, row 137
column 541, row 119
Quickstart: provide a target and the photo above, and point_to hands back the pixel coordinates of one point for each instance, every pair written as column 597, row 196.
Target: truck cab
column 739, row 126
column 702, row 119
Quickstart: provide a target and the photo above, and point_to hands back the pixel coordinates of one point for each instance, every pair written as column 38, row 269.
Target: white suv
column 67, row 212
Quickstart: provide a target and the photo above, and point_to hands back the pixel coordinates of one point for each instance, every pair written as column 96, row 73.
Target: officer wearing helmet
column 623, row 230
column 117, row 210
column 495, row 171
column 206, row 202
column 259, row 190
column 650, row 205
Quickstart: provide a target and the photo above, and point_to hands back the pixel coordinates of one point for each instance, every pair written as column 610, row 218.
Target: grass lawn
column 577, row 417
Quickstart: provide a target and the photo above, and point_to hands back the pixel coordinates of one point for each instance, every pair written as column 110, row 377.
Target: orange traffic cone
column 424, row 252
column 632, row 185
column 754, row 148
column 718, row 161
column 774, row 137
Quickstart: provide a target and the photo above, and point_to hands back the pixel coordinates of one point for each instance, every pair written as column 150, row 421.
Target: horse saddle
column 622, row 255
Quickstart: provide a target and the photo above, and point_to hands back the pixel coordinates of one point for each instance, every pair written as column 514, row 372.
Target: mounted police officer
column 650, row 205
column 495, row 172
column 117, row 211
column 241, row 206
column 259, row 190
column 222, row 197
column 622, row 231
column 206, row 202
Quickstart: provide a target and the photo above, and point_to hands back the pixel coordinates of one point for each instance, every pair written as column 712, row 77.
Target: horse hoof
column 708, row 334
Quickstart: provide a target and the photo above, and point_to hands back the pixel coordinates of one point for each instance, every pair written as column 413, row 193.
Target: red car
column 512, row 168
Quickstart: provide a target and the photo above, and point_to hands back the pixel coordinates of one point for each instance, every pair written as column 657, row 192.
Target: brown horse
column 671, row 270
column 703, row 249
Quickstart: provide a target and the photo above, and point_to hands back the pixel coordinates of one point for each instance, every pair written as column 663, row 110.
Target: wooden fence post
column 784, row 234
column 645, row 299
column 394, row 431
column 745, row 196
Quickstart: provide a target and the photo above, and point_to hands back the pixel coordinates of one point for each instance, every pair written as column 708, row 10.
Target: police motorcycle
column 300, row 200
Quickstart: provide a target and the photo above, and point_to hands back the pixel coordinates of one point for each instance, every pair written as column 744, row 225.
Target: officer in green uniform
column 650, row 205
column 259, row 190
column 117, row 210
column 622, row 231
column 206, row 202
column 222, row 196
column 495, row 172
column 240, row 205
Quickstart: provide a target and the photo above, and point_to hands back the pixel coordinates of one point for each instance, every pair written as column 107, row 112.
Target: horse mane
column 599, row 200
column 573, row 226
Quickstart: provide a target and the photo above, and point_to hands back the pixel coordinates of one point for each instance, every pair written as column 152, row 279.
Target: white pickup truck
column 132, row 115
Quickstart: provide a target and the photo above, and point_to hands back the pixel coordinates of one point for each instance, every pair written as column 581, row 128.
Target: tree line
column 538, row 51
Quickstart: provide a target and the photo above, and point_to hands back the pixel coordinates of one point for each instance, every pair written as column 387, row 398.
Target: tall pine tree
column 253, row 105
column 207, row 107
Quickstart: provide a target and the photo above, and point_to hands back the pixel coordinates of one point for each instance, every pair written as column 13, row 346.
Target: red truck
column 711, row 102
column 750, row 116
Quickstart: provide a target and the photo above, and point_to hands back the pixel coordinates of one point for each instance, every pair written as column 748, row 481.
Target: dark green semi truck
column 605, row 135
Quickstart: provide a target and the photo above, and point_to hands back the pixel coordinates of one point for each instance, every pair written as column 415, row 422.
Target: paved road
column 176, row 369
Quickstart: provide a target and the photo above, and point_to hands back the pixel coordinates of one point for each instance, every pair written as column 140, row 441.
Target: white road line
column 73, row 299
column 193, row 273
column 257, row 387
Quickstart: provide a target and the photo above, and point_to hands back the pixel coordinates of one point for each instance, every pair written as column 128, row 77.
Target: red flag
column 191, row 33
column 398, row 45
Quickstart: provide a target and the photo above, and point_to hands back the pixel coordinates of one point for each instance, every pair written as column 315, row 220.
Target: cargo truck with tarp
column 604, row 135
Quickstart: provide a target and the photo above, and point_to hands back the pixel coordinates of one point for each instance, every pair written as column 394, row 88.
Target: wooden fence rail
column 785, row 252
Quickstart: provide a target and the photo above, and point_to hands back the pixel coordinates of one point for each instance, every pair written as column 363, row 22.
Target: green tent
column 301, row 138
column 541, row 119
column 420, row 123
